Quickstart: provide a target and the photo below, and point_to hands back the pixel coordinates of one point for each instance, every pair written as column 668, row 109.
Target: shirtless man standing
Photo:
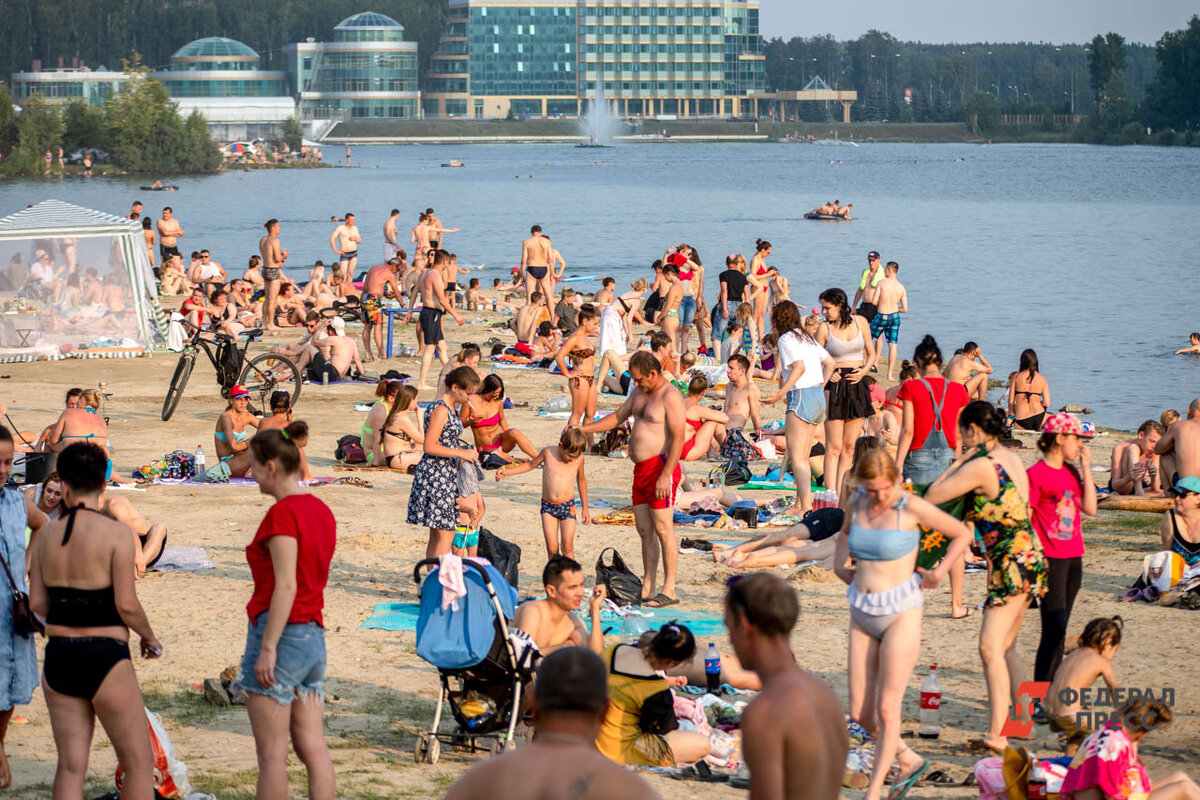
column 570, row 701
column 1183, row 439
column 742, row 398
column 378, row 280
column 892, row 301
column 536, row 257
column 868, row 284
column 432, row 291
column 148, row 540
column 970, row 369
column 655, row 446
column 273, row 256
column 553, row 623
column 390, row 246
column 793, row 732
column 168, row 239
column 345, row 240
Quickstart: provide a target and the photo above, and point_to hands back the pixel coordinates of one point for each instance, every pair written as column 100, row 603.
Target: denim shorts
column 924, row 466
column 299, row 661
column 687, row 309
column 807, row 404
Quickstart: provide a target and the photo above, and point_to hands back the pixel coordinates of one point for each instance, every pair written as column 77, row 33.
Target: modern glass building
column 220, row 67
column 61, row 86
column 645, row 57
column 367, row 71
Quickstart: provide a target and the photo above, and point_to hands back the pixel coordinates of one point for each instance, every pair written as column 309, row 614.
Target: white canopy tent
column 75, row 281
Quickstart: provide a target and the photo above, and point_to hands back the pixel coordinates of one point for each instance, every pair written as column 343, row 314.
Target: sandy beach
column 380, row 694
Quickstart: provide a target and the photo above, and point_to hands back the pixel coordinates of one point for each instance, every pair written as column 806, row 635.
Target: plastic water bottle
column 931, row 706
column 199, row 462
column 633, row 627
column 712, row 667
column 557, row 404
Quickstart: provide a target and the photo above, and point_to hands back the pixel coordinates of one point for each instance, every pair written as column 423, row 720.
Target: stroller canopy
column 450, row 639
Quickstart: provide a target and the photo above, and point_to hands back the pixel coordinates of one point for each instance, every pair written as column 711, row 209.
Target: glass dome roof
column 369, row 19
column 216, row 47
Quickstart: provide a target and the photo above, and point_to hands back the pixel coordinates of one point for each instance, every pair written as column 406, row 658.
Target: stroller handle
column 433, row 562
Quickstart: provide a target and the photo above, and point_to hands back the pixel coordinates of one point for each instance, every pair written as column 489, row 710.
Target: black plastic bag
column 505, row 556
column 623, row 586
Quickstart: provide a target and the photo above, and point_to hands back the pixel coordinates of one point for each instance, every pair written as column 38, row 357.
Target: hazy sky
column 936, row 21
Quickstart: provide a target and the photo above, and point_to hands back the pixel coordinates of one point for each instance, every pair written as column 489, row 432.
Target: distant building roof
column 215, row 47
column 368, row 19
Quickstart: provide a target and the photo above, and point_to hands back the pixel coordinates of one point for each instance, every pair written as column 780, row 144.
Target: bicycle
column 261, row 375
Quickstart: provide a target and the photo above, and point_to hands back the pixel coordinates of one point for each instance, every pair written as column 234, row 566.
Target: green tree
column 84, row 126
column 199, row 153
column 1173, row 99
column 1105, row 59
column 8, row 121
column 39, row 129
column 986, row 107
column 293, row 134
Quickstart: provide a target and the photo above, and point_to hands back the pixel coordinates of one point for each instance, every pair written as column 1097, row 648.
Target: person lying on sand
column 149, row 540
column 815, row 539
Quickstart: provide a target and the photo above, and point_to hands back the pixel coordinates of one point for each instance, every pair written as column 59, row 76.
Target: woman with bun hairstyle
column 402, row 440
column 640, row 728
column 283, row 666
column 994, row 479
column 756, row 275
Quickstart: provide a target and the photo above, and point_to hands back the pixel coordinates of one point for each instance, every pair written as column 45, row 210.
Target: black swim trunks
column 867, row 310
column 537, row 273
column 451, row 287
column 348, row 255
column 168, row 252
column 431, row 325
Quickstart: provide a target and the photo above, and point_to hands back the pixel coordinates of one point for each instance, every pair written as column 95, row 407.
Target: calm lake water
column 1086, row 254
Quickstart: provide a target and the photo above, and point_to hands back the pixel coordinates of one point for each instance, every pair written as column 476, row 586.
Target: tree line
column 1113, row 82
column 139, row 126
column 102, row 32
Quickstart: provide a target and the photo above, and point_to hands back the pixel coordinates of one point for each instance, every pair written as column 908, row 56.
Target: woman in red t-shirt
column 283, row 666
column 928, row 440
column 1058, row 495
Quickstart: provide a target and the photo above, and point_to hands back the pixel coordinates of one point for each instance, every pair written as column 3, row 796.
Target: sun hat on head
column 1065, row 423
column 878, row 395
column 1186, row 486
column 339, row 326
column 238, row 391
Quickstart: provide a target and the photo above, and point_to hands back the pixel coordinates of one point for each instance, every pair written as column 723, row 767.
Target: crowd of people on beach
column 925, row 475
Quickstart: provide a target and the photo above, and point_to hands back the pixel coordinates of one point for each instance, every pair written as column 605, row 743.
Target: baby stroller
column 482, row 671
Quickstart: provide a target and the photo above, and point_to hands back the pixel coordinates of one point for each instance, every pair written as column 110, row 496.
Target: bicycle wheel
column 271, row 372
column 183, row 371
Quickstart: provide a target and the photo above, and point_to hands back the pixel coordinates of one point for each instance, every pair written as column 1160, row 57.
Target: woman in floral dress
column 433, row 502
column 1017, row 567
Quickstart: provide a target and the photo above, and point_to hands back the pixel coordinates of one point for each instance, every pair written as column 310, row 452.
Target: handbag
column 23, row 620
column 622, row 585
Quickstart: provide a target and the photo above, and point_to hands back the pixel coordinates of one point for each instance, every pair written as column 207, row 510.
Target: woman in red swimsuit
column 484, row 415
column 702, row 422
column 757, row 277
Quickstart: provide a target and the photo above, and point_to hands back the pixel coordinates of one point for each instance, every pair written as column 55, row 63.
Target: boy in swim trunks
column 563, row 469
column 891, row 301
column 655, row 447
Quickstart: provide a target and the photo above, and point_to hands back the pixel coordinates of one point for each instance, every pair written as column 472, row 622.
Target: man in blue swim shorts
column 892, row 299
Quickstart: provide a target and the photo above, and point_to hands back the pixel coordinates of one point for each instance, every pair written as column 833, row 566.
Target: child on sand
column 563, row 468
column 1078, row 671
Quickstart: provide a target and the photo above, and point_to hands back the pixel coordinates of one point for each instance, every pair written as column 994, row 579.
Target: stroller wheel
column 435, row 751
column 428, row 749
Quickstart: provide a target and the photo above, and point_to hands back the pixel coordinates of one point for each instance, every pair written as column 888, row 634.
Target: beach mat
column 242, row 482
column 763, row 486
column 183, row 559
column 402, row 617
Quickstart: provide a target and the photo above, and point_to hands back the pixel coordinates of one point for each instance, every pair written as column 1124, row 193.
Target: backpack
column 504, row 555
column 229, row 362
column 350, row 450
column 734, row 472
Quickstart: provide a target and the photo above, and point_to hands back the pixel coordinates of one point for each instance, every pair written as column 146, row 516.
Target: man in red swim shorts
column 655, row 445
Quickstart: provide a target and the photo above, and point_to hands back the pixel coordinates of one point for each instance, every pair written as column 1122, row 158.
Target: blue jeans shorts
column 299, row 661
column 807, row 404
column 687, row 309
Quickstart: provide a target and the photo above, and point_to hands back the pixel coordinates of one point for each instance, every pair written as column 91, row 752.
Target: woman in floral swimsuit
column 998, row 503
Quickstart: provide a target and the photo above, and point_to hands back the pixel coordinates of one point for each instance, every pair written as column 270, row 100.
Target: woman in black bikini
column 402, row 440
column 484, row 415
column 82, row 581
column 1028, row 394
column 1180, row 526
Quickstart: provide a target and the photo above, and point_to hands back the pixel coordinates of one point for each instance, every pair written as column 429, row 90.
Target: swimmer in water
column 1194, row 347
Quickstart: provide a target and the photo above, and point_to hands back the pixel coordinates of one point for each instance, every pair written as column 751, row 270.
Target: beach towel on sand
column 183, row 559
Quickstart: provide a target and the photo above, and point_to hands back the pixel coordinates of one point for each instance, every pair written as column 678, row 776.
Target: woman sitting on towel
column 639, row 727
column 232, row 436
column 281, row 417
column 402, row 440
column 484, row 415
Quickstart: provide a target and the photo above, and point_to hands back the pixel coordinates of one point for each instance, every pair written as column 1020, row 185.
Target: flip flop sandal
column 970, row 611
column 660, row 600
column 901, row 788
column 939, row 777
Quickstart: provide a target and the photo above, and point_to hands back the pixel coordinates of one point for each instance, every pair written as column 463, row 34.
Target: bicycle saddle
column 253, row 334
